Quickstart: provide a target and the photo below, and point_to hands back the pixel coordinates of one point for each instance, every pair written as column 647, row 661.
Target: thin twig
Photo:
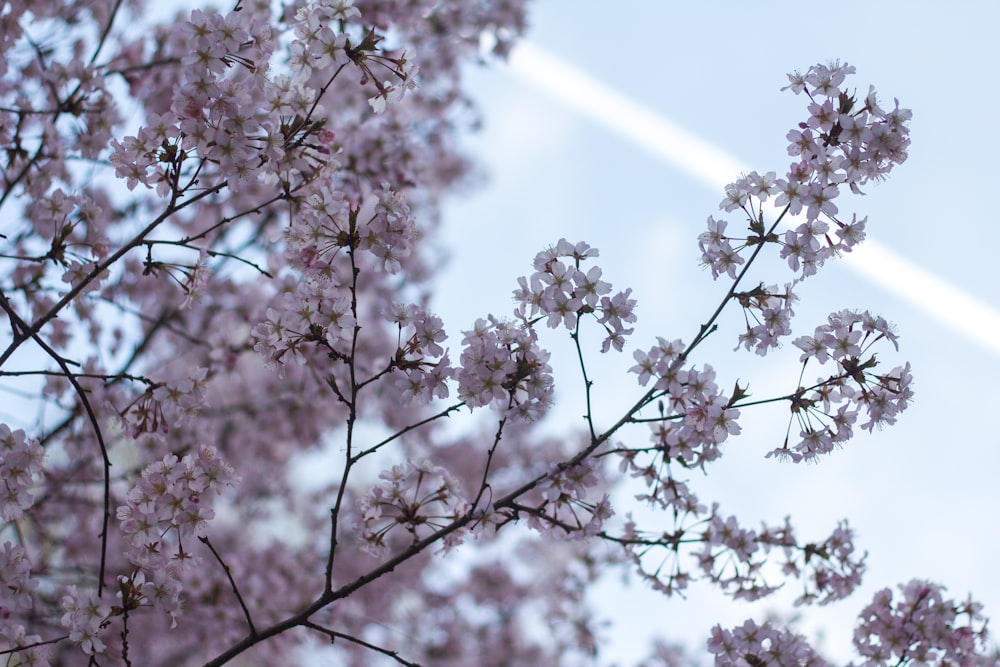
column 412, row 427
column 232, row 582
column 20, row 330
column 333, row 634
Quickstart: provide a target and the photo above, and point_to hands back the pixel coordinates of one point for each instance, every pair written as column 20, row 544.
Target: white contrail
column 714, row 167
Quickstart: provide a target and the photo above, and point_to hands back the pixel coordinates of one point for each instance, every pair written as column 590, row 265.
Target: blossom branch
column 352, row 406
column 587, row 383
column 100, row 268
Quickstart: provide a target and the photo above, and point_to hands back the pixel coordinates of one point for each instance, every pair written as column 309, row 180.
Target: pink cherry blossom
column 219, row 242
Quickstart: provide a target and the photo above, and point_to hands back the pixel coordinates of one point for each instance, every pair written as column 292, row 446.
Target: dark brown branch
column 333, row 634
column 232, row 583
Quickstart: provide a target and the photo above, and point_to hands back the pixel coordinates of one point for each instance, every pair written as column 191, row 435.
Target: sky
column 695, row 90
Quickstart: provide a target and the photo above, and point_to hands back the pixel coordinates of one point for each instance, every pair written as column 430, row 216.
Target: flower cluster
column 423, row 365
column 502, row 365
column 222, row 111
column 562, row 292
column 831, row 569
column 827, row 411
column 162, row 592
column 565, row 494
column 922, row 627
column 20, row 461
column 843, row 143
column 317, row 48
column 166, row 405
column 85, row 616
column 717, row 252
column 16, row 590
column 768, row 313
column 389, row 235
column 233, row 116
column 322, row 246
column 66, row 220
column 26, row 647
column 317, row 45
column 16, row 584
column 741, row 561
column 697, row 417
column 759, row 645
column 169, row 504
column 735, row 559
column 417, row 497
column 317, row 312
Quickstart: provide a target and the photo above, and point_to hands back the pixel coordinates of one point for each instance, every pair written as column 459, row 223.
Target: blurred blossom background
column 572, row 145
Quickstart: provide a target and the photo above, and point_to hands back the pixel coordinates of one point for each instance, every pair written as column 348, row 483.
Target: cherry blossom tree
column 219, row 248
